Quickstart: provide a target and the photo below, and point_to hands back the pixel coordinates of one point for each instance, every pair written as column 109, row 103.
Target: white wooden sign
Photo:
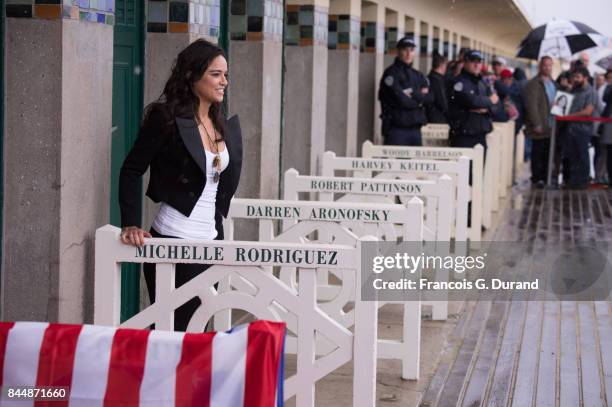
column 435, row 135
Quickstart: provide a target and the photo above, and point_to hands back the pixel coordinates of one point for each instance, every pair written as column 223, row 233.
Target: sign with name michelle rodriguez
column 438, row 271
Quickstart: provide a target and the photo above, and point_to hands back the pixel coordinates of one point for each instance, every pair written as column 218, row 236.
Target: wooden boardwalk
column 533, row 353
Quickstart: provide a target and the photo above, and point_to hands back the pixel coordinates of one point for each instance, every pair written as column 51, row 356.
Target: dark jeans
column 540, row 150
column 184, row 273
column 576, row 154
column 400, row 136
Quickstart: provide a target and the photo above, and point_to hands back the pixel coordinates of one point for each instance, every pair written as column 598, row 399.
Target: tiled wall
column 343, row 32
column 97, row 11
column 372, row 37
column 391, row 39
column 306, row 25
column 256, row 20
column 183, row 16
column 167, row 16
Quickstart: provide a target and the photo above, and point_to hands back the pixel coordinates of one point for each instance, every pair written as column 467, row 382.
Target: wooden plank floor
column 534, row 353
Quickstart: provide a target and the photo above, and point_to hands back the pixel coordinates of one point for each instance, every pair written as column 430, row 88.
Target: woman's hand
column 134, row 235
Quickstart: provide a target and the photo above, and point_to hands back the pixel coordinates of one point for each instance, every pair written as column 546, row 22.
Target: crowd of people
column 468, row 96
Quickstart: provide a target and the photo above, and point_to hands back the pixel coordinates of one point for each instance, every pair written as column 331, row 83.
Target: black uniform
column 403, row 104
column 438, row 110
column 468, row 128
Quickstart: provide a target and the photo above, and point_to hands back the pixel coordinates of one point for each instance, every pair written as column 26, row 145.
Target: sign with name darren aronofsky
column 320, row 213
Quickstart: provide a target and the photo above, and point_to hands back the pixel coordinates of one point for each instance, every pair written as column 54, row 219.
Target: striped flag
column 106, row 366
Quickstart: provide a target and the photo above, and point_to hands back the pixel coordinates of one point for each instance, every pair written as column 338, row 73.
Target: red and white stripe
column 105, row 366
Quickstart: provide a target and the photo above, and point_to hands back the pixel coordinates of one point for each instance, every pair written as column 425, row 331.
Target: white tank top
column 201, row 223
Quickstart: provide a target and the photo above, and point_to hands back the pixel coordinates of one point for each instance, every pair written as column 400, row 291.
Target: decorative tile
column 256, row 8
column 238, row 7
column 179, row 12
column 158, row 12
column 19, row 10
column 48, row 11
column 255, row 24
column 156, row 27
column 178, row 27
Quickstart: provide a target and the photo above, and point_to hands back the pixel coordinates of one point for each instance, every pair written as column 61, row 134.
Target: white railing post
column 306, row 340
column 164, row 286
column 412, row 308
column 462, row 199
column 107, row 285
column 477, row 193
column 366, row 322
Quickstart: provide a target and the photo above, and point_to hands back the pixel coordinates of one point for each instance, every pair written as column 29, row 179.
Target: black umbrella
column 605, row 62
column 557, row 39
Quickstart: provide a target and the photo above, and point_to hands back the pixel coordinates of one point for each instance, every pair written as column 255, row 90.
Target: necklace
column 217, row 160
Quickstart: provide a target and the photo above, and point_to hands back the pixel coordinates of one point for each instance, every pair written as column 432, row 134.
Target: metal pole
column 551, row 152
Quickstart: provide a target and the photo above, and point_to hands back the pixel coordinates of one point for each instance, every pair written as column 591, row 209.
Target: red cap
column 505, row 74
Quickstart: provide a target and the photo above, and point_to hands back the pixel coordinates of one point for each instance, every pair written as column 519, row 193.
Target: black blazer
column 174, row 151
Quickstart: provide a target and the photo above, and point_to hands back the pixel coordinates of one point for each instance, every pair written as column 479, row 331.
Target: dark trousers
column 540, row 150
column 400, row 136
column 184, row 273
column 576, row 154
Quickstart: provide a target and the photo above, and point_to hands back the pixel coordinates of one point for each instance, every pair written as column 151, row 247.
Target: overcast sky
column 596, row 13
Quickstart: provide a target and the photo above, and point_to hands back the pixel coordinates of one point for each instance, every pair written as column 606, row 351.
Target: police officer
column 403, row 94
column 470, row 105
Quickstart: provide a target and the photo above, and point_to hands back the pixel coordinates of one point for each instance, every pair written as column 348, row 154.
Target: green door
column 128, row 56
column 2, row 13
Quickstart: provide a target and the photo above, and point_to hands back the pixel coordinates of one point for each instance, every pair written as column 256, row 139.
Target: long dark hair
column 178, row 98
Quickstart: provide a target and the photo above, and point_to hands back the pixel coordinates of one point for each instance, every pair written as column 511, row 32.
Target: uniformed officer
column 403, row 94
column 470, row 105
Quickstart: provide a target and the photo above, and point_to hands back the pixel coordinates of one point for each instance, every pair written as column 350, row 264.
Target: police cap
column 406, row 42
column 473, row 55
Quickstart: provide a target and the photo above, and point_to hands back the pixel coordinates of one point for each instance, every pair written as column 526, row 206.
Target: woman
column 195, row 159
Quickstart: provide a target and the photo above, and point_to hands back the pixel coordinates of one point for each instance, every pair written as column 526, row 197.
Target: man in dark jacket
column 470, row 105
column 403, row 95
column 437, row 111
column 539, row 94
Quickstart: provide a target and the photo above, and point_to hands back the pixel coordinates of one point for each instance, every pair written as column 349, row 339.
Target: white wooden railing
column 436, row 195
column 389, row 168
column 481, row 186
column 342, row 222
column 245, row 261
